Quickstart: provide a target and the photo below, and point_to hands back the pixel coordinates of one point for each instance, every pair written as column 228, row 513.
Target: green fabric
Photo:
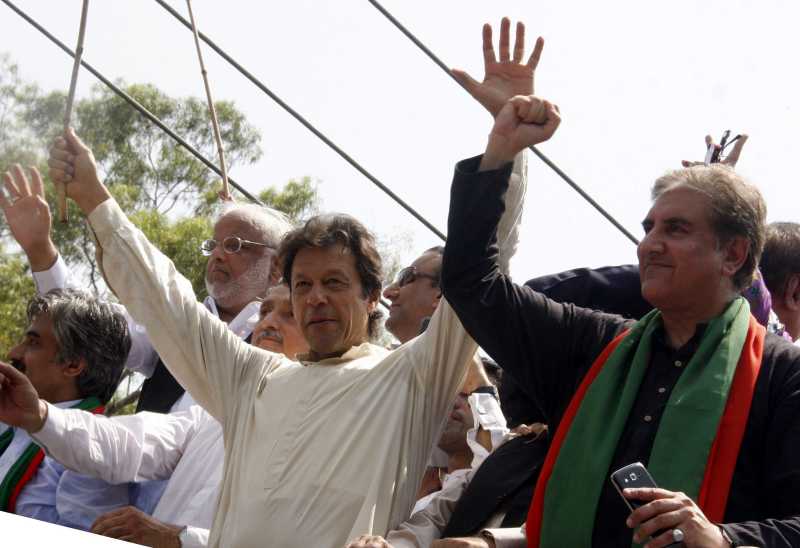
column 17, row 470
column 5, row 440
column 685, row 435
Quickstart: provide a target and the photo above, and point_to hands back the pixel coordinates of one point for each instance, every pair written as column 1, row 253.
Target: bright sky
column 639, row 84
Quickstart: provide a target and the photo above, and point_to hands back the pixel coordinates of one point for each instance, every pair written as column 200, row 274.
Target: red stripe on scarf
column 533, row 526
column 724, row 451
column 32, row 469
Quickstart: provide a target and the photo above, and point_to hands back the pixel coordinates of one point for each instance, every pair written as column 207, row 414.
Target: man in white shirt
column 317, row 451
column 239, row 271
column 185, row 448
column 72, row 353
column 320, row 450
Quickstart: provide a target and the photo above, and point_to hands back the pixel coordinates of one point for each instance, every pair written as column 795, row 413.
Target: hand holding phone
column 629, row 477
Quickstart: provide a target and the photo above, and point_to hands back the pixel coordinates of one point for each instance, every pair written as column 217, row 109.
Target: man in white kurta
column 315, row 452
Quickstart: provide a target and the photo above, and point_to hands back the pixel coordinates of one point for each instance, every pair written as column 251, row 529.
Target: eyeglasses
column 409, row 275
column 230, row 245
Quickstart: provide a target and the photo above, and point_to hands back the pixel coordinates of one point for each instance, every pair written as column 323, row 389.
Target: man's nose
column 15, row 353
column 270, row 321
column 652, row 243
column 391, row 291
column 218, row 253
column 316, row 295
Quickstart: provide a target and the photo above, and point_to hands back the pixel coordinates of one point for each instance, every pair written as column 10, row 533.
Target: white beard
column 246, row 288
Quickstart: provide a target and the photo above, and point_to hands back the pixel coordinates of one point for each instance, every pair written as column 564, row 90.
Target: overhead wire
column 132, row 102
column 433, row 57
column 139, row 108
column 308, row 125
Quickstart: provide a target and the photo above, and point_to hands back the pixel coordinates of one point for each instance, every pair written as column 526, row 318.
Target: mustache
column 269, row 334
column 18, row 365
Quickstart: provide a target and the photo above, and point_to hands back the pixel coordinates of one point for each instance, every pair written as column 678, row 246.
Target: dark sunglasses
column 409, row 275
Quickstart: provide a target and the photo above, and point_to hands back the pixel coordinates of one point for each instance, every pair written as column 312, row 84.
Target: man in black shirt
column 704, row 235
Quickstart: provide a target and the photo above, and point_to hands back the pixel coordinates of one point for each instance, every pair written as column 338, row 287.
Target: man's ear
column 791, row 294
column 274, row 270
column 74, row 368
column 373, row 299
column 736, row 251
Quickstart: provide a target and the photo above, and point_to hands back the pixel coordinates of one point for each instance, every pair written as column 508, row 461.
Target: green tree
column 298, row 199
column 15, row 291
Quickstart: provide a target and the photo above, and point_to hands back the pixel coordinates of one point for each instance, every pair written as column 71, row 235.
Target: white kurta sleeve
column 127, row 448
column 198, row 349
column 55, row 277
column 425, row 526
column 442, row 354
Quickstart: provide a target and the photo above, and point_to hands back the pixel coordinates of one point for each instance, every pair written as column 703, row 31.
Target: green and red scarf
column 698, row 438
column 26, row 466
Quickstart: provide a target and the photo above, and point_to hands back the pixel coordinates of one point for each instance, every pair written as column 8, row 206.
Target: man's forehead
column 233, row 224
column 276, row 295
column 680, row 203
column 41, row 326
column 429, row 258
column 325, row 260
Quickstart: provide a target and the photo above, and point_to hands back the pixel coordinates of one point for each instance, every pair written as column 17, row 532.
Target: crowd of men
column 271, row 417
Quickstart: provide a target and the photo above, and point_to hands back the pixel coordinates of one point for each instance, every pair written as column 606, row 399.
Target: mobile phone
column 632, row 476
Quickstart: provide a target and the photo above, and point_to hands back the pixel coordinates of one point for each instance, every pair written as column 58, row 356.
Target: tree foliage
column 298, row 199
column 15, row 291
column 166, row 192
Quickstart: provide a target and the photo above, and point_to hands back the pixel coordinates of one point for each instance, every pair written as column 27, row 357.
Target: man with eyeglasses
column 239, row 271
column 414, row 294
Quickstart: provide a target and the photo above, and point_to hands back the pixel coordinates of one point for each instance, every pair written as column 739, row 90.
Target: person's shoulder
column 781, row 363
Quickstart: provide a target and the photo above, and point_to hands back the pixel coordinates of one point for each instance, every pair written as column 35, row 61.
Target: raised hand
column 72, row 162
column 507, row 77
column 729, row 160
column 522, row 122
column 28, row 216
column 19, row 403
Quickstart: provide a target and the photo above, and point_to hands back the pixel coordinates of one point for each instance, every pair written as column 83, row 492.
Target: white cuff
column 194, row 537
column 513, row 537
column 53, row 429
column 54, row 277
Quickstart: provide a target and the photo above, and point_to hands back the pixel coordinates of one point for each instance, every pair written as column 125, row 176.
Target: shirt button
column 648, row 418
column 662, row 390
column 678, row 363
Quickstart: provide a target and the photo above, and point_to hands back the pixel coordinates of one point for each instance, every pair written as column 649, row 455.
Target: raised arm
column 30, row 221
column 201, row 352
column 528, row 335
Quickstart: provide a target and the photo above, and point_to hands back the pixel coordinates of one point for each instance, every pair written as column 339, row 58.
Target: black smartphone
column 631, row 476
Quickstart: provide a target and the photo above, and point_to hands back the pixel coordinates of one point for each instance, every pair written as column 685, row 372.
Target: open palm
column 506, row 77
column 26, row 211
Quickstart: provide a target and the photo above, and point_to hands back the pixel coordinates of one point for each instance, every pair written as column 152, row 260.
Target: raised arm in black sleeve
column 546, row 346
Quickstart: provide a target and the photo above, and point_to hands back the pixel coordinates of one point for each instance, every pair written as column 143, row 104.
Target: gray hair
column 737, row 209
column 90, row 329
column 270, row 223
